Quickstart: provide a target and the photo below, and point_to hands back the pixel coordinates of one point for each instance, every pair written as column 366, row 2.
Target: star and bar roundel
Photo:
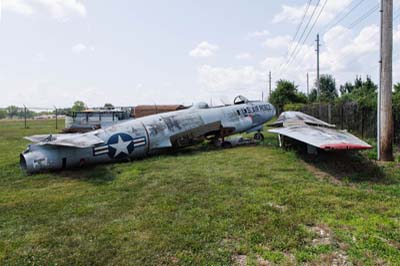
column 119, row 146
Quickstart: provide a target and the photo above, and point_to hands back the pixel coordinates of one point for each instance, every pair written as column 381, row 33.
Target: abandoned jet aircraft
column 315, row 133
column 145, row 136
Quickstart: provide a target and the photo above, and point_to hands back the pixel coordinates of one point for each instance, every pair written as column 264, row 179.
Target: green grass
column 201, row 206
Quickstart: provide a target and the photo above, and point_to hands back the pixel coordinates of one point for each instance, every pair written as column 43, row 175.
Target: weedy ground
column 254, row 205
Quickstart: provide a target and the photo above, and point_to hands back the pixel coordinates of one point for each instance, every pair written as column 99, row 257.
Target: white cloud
column 59, row 9
column 79, row 48
column 294, row 13
column 228, row 78
column 39, row 57
column 243, row 56
column 18, row 6
column 290, row 14
column 257, row 34
column 278, row 42
column 204, row 49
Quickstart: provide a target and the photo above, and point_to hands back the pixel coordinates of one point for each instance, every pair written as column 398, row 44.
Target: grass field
column 203, row 206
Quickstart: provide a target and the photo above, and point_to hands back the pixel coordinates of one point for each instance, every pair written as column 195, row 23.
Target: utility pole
column 24, row 116
column 270, row 85
column 56, row 116
column 318, row 87
column 386, row 82
column 308, row 85
column 378, row 115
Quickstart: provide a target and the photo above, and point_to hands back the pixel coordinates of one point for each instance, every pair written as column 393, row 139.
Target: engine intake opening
column 22, row 162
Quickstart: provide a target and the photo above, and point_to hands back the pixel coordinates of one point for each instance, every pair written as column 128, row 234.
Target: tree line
column 287, row 96
column 15, row 112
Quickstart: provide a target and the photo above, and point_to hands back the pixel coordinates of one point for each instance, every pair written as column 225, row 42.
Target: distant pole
column 308, row 85
column 318, row 85
column 56, row 117
column 24, row 115
column 386, row 113
column 270, row 85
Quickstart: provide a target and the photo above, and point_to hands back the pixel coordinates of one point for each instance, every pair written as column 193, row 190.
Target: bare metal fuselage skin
column 144, row 136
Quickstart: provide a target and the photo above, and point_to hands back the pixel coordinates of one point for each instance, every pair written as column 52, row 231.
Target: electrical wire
column 330, row 25
column 302, row 35
column 364, row 16
column 309, row 32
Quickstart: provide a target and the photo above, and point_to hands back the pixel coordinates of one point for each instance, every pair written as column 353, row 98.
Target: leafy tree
column 285, row 93
column 396, row 97
column 363, row 92
column 327, row 88
column 13, row 111
column 358, row 82
column 366, row 94
column 312, row 97
column 108, row 106
column 347, row 88
column 78, row 106
column 3, row 114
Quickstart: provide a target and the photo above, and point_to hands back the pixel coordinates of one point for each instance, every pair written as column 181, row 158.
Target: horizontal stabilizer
column 67, row 140
column 322, row 137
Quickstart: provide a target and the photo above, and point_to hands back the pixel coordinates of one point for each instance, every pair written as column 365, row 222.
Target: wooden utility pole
column 318, row 85
column 308, row 85
column 386, row 82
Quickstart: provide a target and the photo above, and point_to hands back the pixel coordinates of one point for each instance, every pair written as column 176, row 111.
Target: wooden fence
column 360, row 120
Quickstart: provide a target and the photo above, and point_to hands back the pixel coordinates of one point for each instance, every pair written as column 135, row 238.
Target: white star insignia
column 121, row 146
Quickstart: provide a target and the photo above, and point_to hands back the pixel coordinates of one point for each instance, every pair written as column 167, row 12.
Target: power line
column 301, row 23
column 312, row 27
column 297, row 32
column 374, row 36
column 330, row 25
column 364, row 16
column 302, row 34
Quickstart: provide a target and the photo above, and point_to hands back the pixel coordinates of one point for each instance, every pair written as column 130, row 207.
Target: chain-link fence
column 25, row 115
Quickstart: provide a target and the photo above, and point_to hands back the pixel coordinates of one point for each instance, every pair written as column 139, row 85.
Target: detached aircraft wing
column 67, row 140
column 317, row 133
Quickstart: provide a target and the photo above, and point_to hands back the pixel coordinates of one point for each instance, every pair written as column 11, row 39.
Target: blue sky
column 54, row 52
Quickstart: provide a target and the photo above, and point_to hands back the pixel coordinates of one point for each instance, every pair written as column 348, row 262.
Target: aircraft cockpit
column 201, row 105
column 240, row 100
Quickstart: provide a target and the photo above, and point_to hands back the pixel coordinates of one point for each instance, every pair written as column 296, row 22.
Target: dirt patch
column 239, row 260
column 276, row 206
column 324, row 235
column 321, row 175
column 262, row 262
column 333, row 259
column 174, row 260
column 290, row 258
